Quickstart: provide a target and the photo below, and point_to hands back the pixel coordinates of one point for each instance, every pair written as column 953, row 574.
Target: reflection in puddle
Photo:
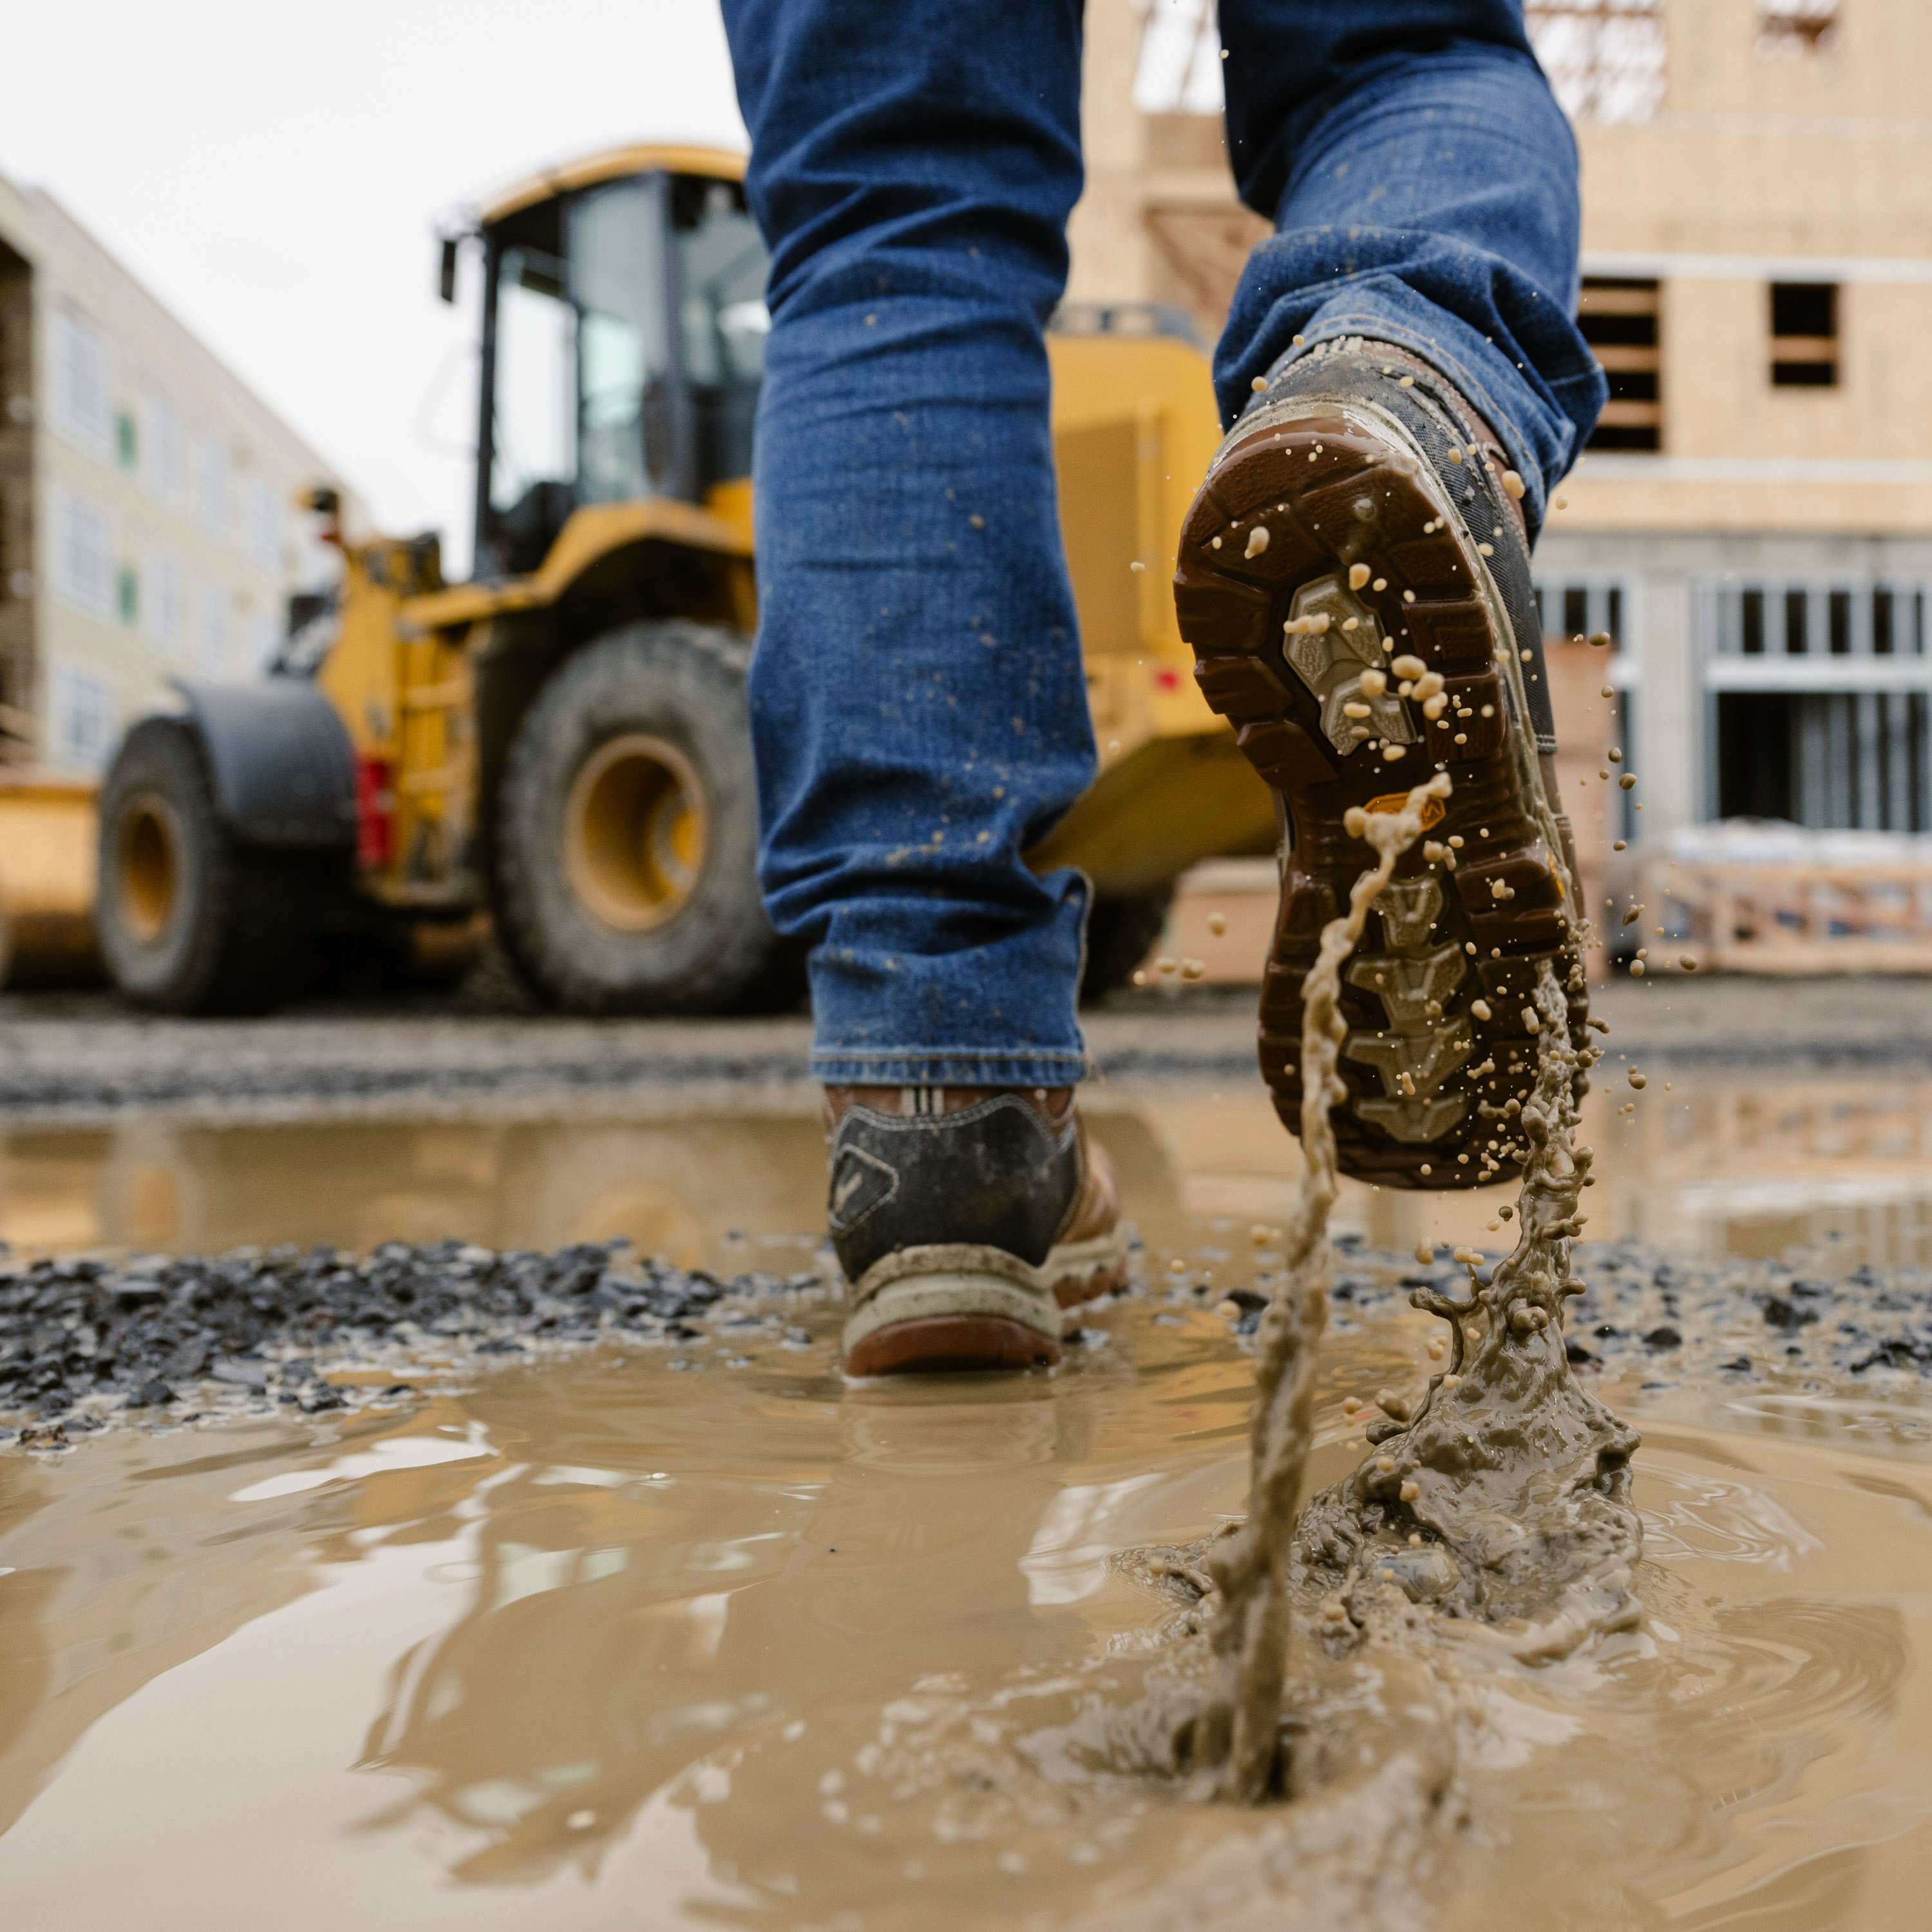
column 1729, row 1163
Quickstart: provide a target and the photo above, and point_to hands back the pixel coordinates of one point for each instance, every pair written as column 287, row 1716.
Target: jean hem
column 1035, row 1067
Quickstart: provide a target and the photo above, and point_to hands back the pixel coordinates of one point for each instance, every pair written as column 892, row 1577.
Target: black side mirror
column 445, row 274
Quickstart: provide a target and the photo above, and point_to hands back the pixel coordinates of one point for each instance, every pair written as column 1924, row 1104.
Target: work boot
column 1353, row 577
column 970, row 1222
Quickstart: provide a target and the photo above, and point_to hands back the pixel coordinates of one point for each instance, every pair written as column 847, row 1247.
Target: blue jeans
column 918, row 707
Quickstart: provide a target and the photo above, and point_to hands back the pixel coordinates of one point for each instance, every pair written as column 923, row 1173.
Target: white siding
column 265, row 638
column 264, row 525
column 214, row 626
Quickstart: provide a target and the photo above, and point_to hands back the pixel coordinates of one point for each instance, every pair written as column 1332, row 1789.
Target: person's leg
column 1423, row 183
column 1405, row 384
column 917, row 701
column 919, row 710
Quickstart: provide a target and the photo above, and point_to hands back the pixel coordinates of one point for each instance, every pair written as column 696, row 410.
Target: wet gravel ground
column 1662, row 1321
column 88, row 1343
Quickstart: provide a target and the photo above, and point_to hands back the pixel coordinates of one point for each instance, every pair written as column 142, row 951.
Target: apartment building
column 1753, row 520
column 148, row 522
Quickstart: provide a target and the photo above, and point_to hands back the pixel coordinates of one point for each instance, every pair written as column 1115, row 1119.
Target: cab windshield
column 625, row 331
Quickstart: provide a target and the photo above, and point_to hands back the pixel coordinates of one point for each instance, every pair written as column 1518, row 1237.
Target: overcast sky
column 274, row 173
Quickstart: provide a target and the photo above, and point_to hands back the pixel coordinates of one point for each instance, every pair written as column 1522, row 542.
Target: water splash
column 1499, row 1503
column 1234, row 1743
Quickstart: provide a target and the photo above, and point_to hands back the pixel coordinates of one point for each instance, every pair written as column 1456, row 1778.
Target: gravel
column 85, row 1341
column 1663, row 1322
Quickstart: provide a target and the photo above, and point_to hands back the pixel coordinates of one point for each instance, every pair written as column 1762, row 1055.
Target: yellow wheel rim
column 634, row 833
column 148, row 868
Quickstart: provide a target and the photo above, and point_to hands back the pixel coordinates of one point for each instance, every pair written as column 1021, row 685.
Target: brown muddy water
column 704, row 1636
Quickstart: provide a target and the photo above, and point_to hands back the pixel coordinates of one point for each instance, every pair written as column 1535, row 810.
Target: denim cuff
column 951, row 1066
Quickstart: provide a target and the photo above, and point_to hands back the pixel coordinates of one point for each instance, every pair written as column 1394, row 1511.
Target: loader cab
column 624, row 326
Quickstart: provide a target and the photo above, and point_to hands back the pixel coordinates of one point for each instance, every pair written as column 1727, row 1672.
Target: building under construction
column 1752, row 521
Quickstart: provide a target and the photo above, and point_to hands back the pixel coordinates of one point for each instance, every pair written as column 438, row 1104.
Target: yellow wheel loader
column 561, row 743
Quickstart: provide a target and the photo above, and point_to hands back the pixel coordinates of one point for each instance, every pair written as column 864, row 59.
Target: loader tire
column 1120, row 933
column 626, row 837
column 190, row 919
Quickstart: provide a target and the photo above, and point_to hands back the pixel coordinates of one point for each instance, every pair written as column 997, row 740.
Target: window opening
column 616, row 282
column 1790, row 29
column 723, row 320
column 1804, row 335
column 1604, row 57
column 1751, row 615
column 1618, row 316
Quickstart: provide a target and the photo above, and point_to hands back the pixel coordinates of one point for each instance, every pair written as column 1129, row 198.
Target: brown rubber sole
column 951, row 1344
column 1360, row 533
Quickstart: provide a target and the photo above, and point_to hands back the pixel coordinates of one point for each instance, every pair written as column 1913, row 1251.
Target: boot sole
column 1082, row 1271
column 955, row 1306
column 1336, row 485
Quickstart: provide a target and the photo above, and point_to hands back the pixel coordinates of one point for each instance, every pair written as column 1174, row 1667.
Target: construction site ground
column 75, row 1056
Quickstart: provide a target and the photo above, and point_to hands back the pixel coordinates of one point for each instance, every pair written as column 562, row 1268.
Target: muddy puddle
column 652, row 1639
column 688, row 1631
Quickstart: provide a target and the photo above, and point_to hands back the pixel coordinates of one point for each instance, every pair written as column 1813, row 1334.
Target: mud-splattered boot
column 1353, row 577
column 970, row 1222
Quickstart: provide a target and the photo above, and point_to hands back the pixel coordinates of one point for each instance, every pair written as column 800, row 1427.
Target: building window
column 124, row 439
column 166, row 602
column 1619, row 316
column 83, row 554
column 79, row 374
column 1810, row 729
column 83, row 717
column 211, row 486
column 1604, row 57
column 1804, row 335
column 1178, row 70
column 1790, row 29
column 127, row 595
column 211, row 629
column 165, row 447
column 265, row 525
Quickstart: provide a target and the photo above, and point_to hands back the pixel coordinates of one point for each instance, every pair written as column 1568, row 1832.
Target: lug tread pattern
column 1422, row 1088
